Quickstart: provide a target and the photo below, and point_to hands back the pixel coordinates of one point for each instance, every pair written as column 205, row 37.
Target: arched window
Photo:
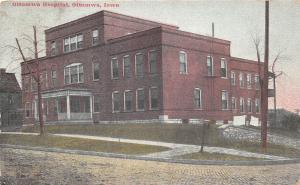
column 73, row 73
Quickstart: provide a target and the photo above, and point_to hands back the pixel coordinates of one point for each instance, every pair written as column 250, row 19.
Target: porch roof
column 66, row 92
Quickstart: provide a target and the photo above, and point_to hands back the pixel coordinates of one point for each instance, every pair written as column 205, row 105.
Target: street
column 33, row 167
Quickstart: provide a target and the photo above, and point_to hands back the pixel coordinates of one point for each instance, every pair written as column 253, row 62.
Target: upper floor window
column 224, row 100
column 128, row 101
column 256, row 81
column 73, row 73
column 114, row 68
column 26, row 83
column 95, row 37
column 223, row 68
column 242, row 81
column 27, row 109
column 33, row 84
column 139, row 65
column 242, row 105
column 153, row 62
column 53, row 48
column 73, row 43
column 249, row 80
column 116, row 101
column 210, row 66
column 153, row 98
column 233, row 78
column 96, row 70
column 53, row 77
column 183, row 62
column 198, row 98
column 126, row 66
column 140, row 96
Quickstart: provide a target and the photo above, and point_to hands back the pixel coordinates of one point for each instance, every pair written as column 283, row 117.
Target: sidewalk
column 176, row 149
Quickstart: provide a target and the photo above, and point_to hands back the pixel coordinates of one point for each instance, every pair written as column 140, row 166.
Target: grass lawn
column 174, row 133
column 215, row 156
column 79, row 144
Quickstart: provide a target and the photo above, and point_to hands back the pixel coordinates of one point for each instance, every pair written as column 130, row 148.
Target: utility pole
column 265, row 81
column 36, row 77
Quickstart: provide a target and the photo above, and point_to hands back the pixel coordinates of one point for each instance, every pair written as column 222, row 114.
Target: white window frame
column 123, row 59
column 111, row 68
column 242, row 80
column 78, row 73
column 93, row 64
column 135, row 68
column 242, row 104
column 226, row 68
column 124, row 101
column 149, row 62
column 113, row 105
column 201, row 103
column 94, row 104
column 212, row 65
column 136, row 100
column 185, row 62
column 257, row 104
column 233, row 78
column 53, row 48
column 256, row 81
column 150, row 102
column 249, row 105
column 227, row 98
column 249, row 80
column 97, row 40
column 29, row 108
column 233, row 102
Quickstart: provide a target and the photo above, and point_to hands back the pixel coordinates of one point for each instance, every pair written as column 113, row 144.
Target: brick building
column 10, row 101
column 108, row 67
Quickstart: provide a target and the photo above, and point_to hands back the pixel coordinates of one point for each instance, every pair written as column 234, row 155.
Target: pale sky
column 235, row 20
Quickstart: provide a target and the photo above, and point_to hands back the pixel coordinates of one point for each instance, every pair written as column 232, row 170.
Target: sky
column 235, row 20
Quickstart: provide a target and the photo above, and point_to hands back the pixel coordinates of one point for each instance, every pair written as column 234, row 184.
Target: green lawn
column 215, row 156
column 175, row 133
column 79, row 144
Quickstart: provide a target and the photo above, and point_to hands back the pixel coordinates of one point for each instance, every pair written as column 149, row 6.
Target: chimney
column 2, row 71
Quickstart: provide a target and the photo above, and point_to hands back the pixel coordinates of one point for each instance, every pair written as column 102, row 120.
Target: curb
column 134, row 157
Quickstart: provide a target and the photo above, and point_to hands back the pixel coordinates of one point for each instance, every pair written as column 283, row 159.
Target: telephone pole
column 265, row 81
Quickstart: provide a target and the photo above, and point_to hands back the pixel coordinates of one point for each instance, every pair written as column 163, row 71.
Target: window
column 223, row 68
column 233, row 78
column 233, row 103
column 115, row 68
column 242, row 105
column 224, row 100
column 27, row 109
column 249, row 104
column 26, row 83
column 79, row 41
column 153, row 98
column 116, row 101
column 44, row 79
column 66, row 45
column 249, row 80
column 128, row 99
column 73, row 73
column 210, row 66
column 256, row 81
column 139, row 65
column 153, row 62
column 53, row 48
column 242, row 82
column 183, row 62
column 73, row 43
column 198, row 98
column 126, row 66
column 96, row 71
column 96, row 103
column 257, row 105
column 33, row 84
column 140, row 94
column 95, row 37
